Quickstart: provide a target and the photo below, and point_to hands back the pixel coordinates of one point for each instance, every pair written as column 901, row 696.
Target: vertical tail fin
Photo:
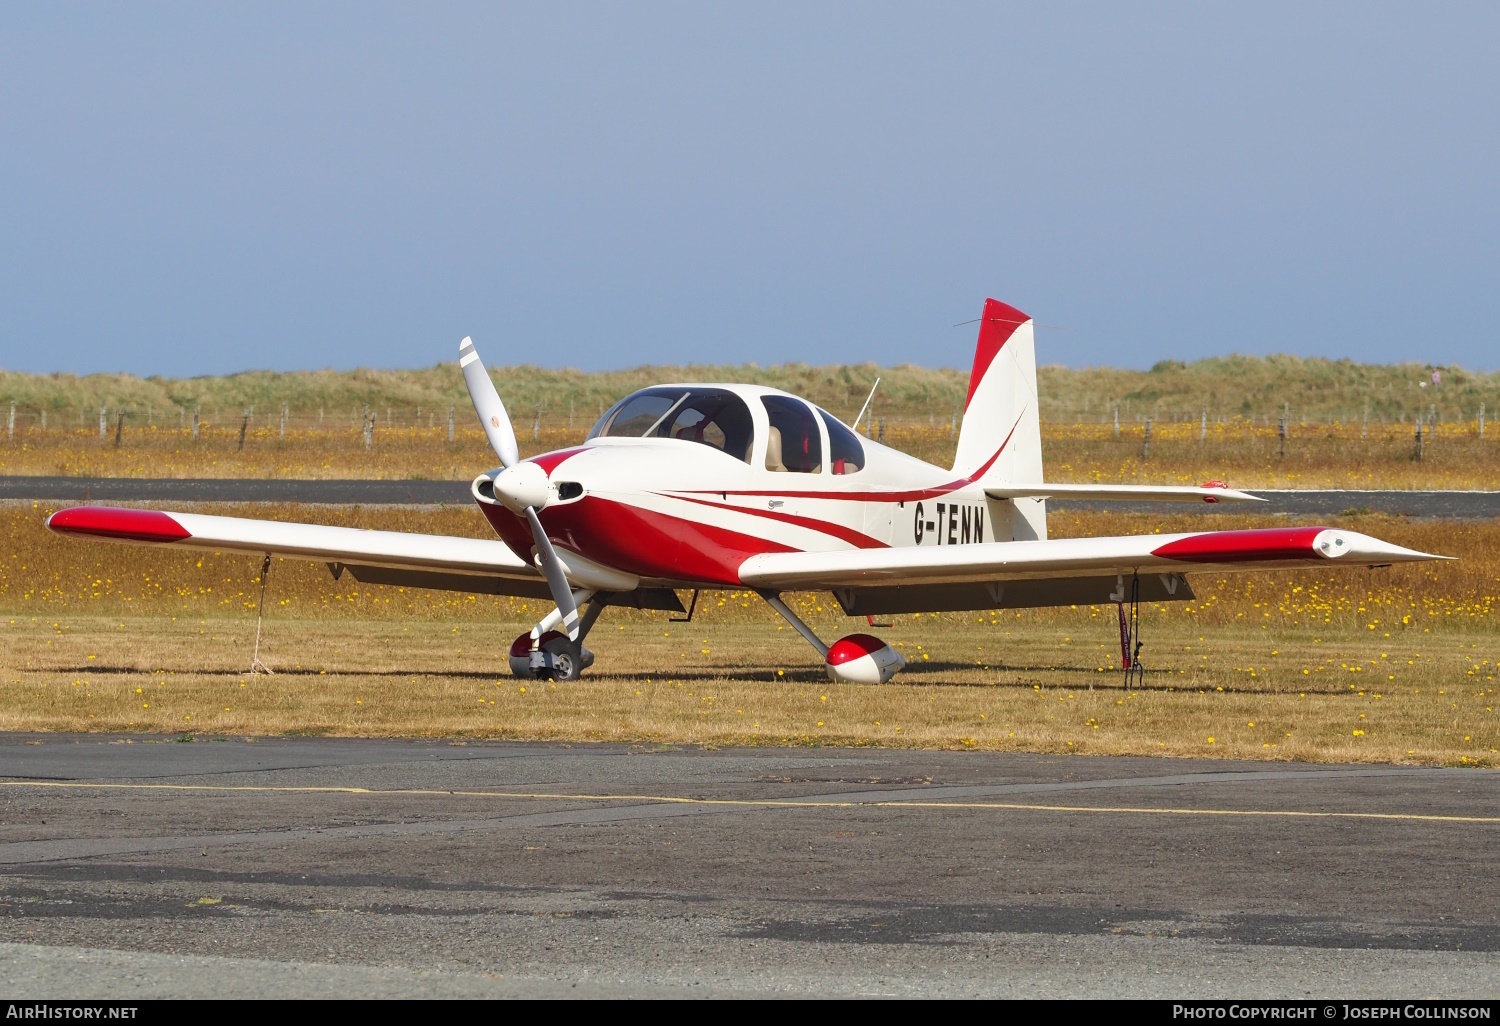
column 1001, row 438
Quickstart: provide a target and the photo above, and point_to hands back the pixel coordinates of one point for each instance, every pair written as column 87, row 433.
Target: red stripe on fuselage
column 856, row 538
column 637, row 541
column 913, row 495
column 548, row 461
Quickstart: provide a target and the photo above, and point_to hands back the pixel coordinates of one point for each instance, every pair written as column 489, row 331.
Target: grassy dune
column 1316, row 391
column 1392, row 665
column 1244, row 453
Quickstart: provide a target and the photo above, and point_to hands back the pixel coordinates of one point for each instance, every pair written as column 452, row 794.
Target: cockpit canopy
column 711, row 416
column 721, row 418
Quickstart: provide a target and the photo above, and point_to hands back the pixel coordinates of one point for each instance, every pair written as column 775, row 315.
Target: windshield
column 709, row 416
column 637, row 413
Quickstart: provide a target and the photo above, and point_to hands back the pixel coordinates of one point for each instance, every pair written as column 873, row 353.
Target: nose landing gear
column 555, row 658
column 546, row 654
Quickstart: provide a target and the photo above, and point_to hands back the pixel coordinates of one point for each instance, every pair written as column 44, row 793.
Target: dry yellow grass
column 1392, row 665
column 1245, row 453
column 1013, row 686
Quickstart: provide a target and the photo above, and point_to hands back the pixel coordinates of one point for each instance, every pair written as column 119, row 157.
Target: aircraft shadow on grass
column 757, row 675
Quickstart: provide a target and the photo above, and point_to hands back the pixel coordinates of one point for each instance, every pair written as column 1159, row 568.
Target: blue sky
column 206, row 188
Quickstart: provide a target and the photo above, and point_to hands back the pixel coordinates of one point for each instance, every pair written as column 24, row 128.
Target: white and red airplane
column 704, row 486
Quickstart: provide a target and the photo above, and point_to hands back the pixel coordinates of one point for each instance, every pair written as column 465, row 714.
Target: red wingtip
column 141, row 525
column 1213, row 484
column 1267, row 543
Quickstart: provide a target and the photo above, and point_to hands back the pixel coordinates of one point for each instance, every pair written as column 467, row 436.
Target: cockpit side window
column 845, row 454
column 714, row 417
column 793, row 444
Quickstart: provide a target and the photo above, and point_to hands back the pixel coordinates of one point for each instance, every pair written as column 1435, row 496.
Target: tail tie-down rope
column 256, row 666
column 1130, row 634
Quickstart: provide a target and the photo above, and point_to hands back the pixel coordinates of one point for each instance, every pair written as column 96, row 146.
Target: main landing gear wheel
column 556, row 659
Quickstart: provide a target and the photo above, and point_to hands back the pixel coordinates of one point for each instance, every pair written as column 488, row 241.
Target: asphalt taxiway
column 138, row 867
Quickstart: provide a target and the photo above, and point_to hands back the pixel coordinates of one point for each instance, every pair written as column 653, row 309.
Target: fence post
column 283, row 422
column 1364, row 425
column 953, row 424
column 1418, row 454
column 1203, row 427
column 1146, row 441
column 450, row 423
column 1481, row 421
column 1281, row 438
column 10, row 424
column 244, row 426
column 881, row 439
column 119, row 427
column 103, row 422
column 368, row 421
column 196, row 411
column 536, row 426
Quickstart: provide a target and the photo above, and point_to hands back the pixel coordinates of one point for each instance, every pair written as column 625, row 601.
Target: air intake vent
column 569, row 490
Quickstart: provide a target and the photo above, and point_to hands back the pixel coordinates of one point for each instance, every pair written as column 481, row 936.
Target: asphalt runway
column 1457, row 504
column 147, row 867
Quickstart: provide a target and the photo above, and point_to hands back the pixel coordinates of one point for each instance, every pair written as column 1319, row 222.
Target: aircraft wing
column 1276, row 548
column 1121, row 493
column 377, row 557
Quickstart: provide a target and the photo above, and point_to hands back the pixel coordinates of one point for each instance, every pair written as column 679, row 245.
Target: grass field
column 1394, row 665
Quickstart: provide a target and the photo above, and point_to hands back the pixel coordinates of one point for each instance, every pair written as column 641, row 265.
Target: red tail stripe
column 996, row 326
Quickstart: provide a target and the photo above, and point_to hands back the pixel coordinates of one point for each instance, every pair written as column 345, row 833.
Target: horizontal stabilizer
column 1120, row 493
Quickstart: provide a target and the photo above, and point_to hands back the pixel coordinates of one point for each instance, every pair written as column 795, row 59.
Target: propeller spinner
column 522, row 488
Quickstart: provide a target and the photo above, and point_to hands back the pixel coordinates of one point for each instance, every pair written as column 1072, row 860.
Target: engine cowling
column 862, row 659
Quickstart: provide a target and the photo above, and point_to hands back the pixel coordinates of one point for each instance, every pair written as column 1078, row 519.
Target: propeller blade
column 557, row 580
column 487, row 404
